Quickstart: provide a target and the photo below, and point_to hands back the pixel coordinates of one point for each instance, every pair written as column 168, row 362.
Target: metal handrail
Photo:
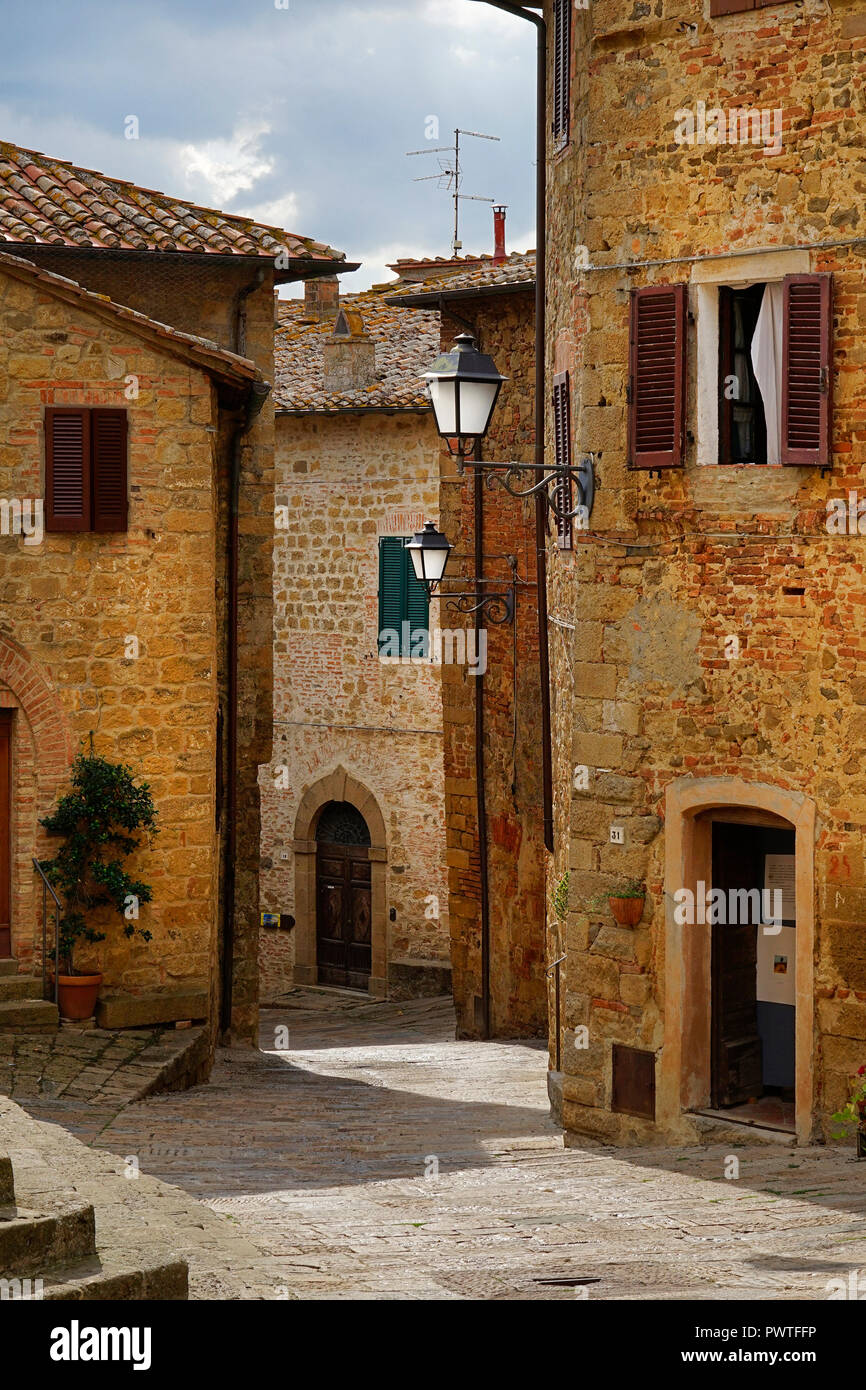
column 557, row 1049
column 46, row 889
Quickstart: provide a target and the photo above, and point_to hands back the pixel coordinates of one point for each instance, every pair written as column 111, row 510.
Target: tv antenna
column 450, row 177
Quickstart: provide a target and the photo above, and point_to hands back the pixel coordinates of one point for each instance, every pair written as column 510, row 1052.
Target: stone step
column 31, row 1242
column 28, row 1016
column 100, row 1278
column 8, row 965
column 20, row 987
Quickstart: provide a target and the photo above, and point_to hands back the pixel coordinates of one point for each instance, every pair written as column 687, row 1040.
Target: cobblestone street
column 322, row 1152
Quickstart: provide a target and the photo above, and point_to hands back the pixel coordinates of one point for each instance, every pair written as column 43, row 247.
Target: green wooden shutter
column 392, row 570
column 402, row 597
column 417, row 604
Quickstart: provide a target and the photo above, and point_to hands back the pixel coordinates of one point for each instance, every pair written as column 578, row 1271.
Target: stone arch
column 685, row 1065
column 41, row 755
column 338, row 785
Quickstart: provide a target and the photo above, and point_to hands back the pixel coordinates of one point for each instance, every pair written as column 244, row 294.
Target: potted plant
column 625, row 900
column 854, row 1112
column 98, row 819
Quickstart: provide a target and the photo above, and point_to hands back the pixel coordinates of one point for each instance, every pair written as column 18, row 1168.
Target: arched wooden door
column 5, row 833
column 343, row 898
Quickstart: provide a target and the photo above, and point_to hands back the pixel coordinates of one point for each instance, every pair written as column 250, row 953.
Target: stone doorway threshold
column 767, row 1113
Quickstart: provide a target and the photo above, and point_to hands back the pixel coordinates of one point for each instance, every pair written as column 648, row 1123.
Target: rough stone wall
column 512, row 743
column 705, row 553
column 68, row 606
column 347, row 480
column 205, row 297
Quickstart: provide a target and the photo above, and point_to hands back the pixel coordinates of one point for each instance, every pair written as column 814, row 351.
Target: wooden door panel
column 5, row 833
column 344, row 916
column 737, row 1054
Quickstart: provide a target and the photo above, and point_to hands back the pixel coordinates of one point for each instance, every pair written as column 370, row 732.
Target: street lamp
column 429, row 551
column 463, row 386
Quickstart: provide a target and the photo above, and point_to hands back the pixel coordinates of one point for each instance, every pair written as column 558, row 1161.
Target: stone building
column 706, row 166
column 159, row 568
column 493, row 765
column 353, row 846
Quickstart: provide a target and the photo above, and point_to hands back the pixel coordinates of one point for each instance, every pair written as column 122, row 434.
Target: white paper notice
column 779, row 877
column 776, row 960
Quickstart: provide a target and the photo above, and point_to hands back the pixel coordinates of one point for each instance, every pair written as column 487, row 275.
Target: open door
column 737, row 1070
column 5, row 833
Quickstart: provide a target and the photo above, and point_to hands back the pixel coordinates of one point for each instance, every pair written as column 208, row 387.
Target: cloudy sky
column 300, row 115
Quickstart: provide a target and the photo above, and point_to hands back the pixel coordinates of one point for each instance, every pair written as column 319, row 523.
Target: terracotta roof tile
column 51, row 202
column 517, row 272
column 406, row 344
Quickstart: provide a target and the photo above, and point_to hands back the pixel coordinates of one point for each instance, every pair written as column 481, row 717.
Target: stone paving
column 368, row 1155
column 84, row 1077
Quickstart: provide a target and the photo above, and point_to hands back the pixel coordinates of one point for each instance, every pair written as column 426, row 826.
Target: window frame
column 97, row 518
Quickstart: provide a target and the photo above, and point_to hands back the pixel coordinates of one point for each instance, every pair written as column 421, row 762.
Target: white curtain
column 767, row 364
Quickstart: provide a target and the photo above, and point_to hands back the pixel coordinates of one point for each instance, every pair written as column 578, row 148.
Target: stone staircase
column 50, row 1253
column 22, row 1008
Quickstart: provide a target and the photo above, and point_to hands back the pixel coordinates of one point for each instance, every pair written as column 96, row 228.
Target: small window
column 404, row 607
column 561, row 70
column 85, row 469
column 562, row 459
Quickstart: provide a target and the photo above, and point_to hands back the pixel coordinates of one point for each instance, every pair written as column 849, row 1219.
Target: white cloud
column 472, row 14
column 219, row 170
column 279, row 212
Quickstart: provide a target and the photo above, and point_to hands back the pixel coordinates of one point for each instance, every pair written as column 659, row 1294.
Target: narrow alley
column 368, row 1155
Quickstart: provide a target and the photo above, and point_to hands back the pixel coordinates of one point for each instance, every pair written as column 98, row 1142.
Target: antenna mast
column 450, row 177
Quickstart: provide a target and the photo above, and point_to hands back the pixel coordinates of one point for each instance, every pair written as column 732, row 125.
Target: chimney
column 322, row 298
column 350, row 355
column 500, row 255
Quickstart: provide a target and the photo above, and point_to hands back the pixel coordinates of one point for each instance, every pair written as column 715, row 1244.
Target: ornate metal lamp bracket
column 548, row 483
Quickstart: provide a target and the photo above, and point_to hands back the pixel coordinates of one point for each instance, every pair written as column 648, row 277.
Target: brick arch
column 685, row 1064
column 42, row 753
column 38, row 701
column 338, row 785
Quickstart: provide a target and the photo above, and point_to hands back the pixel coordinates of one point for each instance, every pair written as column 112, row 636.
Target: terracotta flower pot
column 627, row 911
column 76, row 995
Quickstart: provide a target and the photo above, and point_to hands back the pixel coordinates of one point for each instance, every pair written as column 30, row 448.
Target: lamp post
column 430, row 551
column 464, row 386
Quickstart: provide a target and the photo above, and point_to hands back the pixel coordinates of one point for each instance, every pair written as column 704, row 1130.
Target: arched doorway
column 704, row 994
column 343, row 897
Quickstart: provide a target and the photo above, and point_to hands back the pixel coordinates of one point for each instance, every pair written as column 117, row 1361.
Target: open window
column 765, row 356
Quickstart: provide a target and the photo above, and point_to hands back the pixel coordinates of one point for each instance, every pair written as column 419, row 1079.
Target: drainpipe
column 480, row 784
column 540, row 399
column 258, row 394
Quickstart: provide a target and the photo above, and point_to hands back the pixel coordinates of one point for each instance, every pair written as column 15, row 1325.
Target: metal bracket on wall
column 549, row 483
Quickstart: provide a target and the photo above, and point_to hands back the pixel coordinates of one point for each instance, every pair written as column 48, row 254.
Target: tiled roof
column 518, row 272
column 209, row 356
column 406, row 345
column 49, row 202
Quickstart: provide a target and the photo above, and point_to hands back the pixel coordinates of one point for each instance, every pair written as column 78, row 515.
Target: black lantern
column 463, row 386
column 429, row 551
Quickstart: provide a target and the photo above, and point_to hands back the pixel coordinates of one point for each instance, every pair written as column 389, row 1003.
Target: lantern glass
column 477, row 399
column 429, row 551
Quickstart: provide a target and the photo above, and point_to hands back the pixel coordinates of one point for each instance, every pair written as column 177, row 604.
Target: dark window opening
column 742, row 422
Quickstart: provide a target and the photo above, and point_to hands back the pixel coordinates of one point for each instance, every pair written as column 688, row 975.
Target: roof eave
column 435, row 297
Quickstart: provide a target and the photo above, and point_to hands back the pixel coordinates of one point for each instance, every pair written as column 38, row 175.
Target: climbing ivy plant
column 99, row 819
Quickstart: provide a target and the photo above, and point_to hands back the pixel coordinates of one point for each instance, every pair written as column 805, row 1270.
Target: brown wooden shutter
column 67, row 469
column 657, row 376
column 807, row 370
column 562, row 455
column 110, row 488
column 561, row 70
column 720, row 7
